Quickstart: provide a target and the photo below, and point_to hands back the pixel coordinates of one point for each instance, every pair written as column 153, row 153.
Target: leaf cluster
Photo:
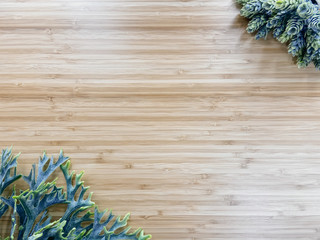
column 296, row 22
column 30, row 219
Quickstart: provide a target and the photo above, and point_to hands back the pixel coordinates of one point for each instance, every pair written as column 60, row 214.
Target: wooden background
column 175, row 113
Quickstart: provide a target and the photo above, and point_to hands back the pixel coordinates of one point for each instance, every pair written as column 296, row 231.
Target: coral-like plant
column 30, row 218
column 296, row 22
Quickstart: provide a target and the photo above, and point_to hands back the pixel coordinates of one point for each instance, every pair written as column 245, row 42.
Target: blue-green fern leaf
column 8, row 164
column 33, row 181
column 30, row 218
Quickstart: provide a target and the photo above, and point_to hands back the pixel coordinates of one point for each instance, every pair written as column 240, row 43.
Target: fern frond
column 31, row 206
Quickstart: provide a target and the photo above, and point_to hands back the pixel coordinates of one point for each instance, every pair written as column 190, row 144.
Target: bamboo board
column 175, row 113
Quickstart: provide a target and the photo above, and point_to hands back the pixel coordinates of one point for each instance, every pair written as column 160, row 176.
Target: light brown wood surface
column 176, row 114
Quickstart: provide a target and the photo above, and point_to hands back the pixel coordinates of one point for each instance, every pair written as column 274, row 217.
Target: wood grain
column 175, row 113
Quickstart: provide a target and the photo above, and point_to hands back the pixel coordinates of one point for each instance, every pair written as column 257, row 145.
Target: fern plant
column 30, row 219
column 295, row 22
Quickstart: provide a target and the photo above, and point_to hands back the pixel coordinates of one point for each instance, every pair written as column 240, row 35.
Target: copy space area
column 175, row 113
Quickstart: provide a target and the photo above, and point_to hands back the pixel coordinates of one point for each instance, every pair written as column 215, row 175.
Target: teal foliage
column 30, row 219
column 295, row 22
column 256, row 23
